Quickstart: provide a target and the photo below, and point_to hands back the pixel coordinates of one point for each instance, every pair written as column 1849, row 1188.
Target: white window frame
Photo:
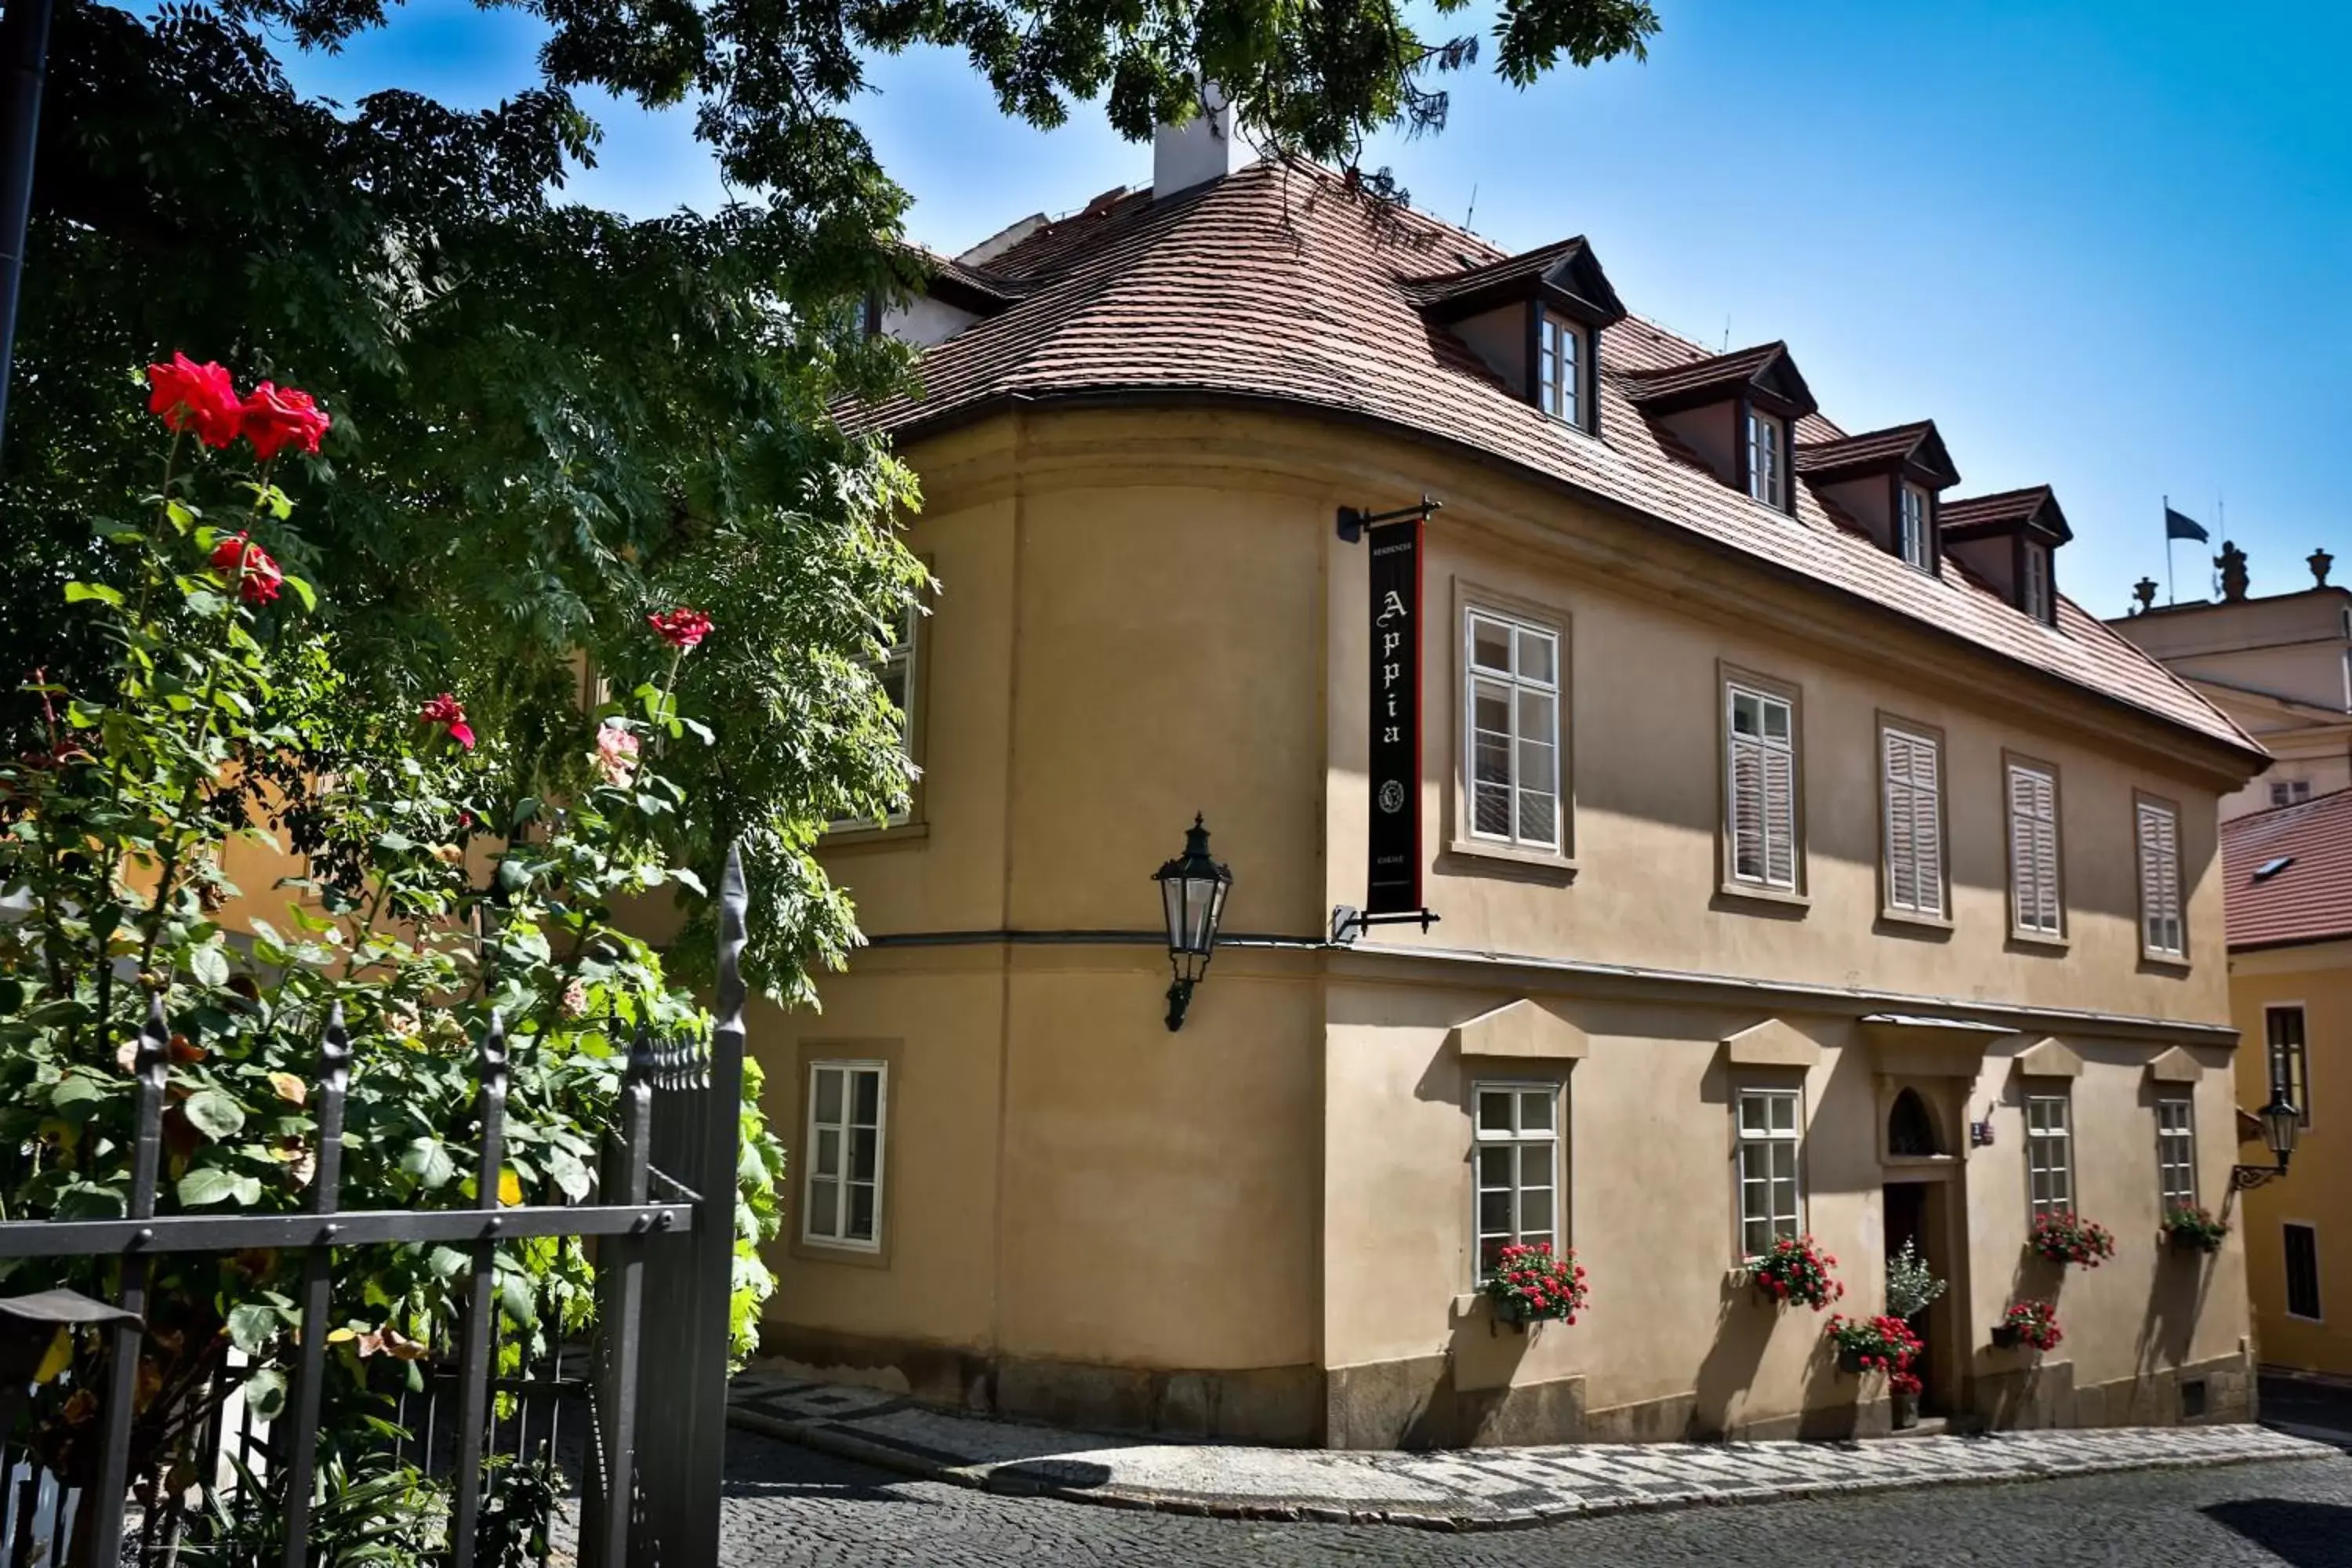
column 815, row 1176
column 2176, row 1153
column 2297, row 1082
column 1514, row 1143
column 1911, row 806
column 1768, row 458
column 1914, row 526
column 2034, row 832
column 901, row 657
column 2048, row 1152
column 1761, row 751
column 2036, row 593
column 2286, row 1273
column 2290, row 792
column 1766, row 1148
column 1514, row 686
column 2163, row 918
column 1561, row 343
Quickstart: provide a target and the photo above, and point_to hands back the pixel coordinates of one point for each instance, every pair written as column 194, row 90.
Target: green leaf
column 208, row 966
column 514, row 1295
column 264, row 1393
column 206, row 1185
column 429, row 1163
column 213, row 1114
column 447, row 1262
column 251, row 1326
column 80, row 592
column 302, row 591
column 73, row 1089
column 571, row 1177
column 680, row 874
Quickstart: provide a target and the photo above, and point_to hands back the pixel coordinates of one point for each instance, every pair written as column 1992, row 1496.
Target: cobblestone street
column 788, row 1505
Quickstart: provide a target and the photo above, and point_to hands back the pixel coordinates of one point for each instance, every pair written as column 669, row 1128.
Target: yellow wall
column 2317, row 1189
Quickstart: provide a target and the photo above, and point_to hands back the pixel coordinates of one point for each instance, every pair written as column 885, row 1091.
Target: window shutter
column 2159, row 879
column 1902, row 855
column 1927, row 826
column 1746, row 808
column 2045, row 852
column 1780, row 819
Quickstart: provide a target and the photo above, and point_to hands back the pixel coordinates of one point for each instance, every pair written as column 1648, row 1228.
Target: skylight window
column 2269, row 868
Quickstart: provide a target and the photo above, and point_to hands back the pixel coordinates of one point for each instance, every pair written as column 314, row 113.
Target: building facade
column 2280, row 666
column 2288, row 874
column 1803, row 861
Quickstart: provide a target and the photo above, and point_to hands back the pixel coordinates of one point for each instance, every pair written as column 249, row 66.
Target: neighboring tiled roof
column 995, row 286
column 2309, row 899
column 1275, row 285
column 1916, row 440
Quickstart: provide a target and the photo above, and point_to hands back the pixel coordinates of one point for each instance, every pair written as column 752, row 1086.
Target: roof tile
column 2307, row 900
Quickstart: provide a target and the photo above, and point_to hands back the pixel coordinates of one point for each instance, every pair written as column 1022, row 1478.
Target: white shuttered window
column 2035, row 900
column 1514, row 731
column 1911, row 768
column 2159, row 881
column 1760, row 788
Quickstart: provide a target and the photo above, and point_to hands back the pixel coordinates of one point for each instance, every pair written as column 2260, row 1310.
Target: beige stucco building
column 2279, row 664
column 2288, row 874
column 1791, row 836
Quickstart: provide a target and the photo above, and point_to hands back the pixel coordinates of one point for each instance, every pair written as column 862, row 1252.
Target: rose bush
column 427, row 896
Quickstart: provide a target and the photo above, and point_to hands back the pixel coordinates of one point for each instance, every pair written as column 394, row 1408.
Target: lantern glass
column 1193, row 889
column 2281, row 1123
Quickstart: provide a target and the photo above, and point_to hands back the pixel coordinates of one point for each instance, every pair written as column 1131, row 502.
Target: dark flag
column 2177, row 526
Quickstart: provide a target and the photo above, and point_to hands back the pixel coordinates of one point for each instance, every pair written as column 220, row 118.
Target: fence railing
column 649, row 1471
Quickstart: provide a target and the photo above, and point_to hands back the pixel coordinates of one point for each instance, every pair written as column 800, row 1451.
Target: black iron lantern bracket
column 1353, row 521
column 1348, row 922
column 2281, row 1119
column 2245, row 1178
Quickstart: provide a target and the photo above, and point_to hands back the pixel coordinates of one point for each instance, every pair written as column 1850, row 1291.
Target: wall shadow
column 1743, row 1327
column 2302, row 1534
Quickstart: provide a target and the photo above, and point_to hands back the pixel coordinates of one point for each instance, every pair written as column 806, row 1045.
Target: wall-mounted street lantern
column 2280, row 1122
column 1193, row 889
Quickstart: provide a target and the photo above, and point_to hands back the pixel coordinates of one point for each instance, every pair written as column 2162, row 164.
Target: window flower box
column 1874, row 1344
column 2065, row 1236
column 2030, row 1323
column 1530, row 1285
column 2194, row 1230
column 1796, row 1270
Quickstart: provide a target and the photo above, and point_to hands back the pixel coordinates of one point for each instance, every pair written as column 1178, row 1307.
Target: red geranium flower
column 276, row 417
column 198, row 397
column 682, row 628
column 246, row 564
column 446, row 709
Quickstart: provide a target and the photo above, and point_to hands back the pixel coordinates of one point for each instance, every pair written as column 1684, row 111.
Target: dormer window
column 1560, row 368
column 1917, row 538
column 1768, row 475
column 2035, row 600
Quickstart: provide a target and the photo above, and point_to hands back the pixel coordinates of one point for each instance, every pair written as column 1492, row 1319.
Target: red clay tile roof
column 1723, row 371
column 2310, row 897
column 1916, row 440
column 1275, row 285
column 1466, row 286
column 2008, row 506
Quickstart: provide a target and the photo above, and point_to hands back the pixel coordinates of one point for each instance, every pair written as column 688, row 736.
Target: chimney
column 1204, row 147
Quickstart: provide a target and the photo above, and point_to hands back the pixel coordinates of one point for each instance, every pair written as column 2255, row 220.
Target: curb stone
column 824, row 1438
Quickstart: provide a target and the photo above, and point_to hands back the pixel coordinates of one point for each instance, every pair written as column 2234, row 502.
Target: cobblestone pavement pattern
column 789, row 1507
column 1471, row 1489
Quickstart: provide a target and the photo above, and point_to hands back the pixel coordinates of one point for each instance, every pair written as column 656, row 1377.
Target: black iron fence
column 637, row 1479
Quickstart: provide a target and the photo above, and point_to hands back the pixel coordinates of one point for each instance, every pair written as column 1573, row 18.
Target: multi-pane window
column 2176, row 1153
column 1767, row 460
column 2035, row 902
column 1772, row 1140
column 1559, row 369
column 2048, row 1154
column 2288, row 792
column 895, row 672
column 1514, row 731
column 1912, row 774
column 2290, row 1061
column 1917, row 539
column 1761, row 791
column 2301, row 1272
column 2036, row 596
column 843, row 1154
column 1517, row 1156
column 2159, row 881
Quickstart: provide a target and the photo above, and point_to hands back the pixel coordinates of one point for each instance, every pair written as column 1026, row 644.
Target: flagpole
column 2171, row 596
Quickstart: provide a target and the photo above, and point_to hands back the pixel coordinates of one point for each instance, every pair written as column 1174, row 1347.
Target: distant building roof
column 2287, row 873
column 1279, row 286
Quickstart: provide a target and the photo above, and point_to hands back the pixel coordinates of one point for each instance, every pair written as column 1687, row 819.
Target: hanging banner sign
column 1393, row 885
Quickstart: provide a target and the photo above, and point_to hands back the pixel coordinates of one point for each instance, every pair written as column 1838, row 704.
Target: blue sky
column 2106, row 247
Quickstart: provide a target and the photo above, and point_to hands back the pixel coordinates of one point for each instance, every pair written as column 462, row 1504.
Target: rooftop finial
column 2144, row 593
column 2319, row 561
column 2232, row 563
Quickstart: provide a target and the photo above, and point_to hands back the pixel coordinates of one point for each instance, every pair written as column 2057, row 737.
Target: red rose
column 248, row 565
column 198, row 397
column 683, row 629
column 276, row 417
column 446, row 709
